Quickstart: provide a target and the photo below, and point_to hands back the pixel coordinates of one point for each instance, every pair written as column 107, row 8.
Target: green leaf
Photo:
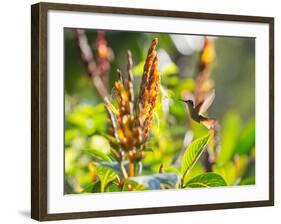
column 106, row 176
column 196, row 170
column 206, row 180
column 192, row 154
column 98, row 154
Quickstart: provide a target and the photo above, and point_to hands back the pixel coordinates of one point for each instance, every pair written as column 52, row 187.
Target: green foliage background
column 234, row 79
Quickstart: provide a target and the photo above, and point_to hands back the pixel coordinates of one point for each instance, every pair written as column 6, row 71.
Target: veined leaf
column 196, row 170
column 98, row 154
column 106, row 176
column 206, row 180
column 192, row 154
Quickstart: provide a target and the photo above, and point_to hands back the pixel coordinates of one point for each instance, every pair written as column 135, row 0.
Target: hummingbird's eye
column 190, row 102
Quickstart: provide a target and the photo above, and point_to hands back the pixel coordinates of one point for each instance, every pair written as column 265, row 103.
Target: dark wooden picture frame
column 39, row 106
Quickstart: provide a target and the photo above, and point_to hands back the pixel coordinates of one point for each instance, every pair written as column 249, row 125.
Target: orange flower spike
column 122, row 95
column 149, row 60
column 130, row 128
column 154, row 79
column 149, row 90
column 144, row 89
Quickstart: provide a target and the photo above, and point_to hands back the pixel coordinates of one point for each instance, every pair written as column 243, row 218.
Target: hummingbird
column 196, row 110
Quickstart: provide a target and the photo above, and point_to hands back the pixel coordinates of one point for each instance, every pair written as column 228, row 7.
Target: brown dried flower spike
column 130, row 126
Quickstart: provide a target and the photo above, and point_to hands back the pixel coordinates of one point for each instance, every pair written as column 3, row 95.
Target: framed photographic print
column 138, row 111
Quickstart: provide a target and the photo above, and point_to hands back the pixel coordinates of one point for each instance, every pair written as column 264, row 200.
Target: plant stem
column 131, row 168
column 123, row 170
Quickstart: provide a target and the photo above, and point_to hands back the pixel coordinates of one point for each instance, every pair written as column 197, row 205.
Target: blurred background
column 233, row 77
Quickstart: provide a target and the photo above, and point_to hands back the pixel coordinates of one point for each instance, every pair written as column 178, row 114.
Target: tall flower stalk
column 130, row 122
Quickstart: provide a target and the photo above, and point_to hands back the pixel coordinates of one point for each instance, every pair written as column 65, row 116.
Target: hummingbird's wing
column 204, row 106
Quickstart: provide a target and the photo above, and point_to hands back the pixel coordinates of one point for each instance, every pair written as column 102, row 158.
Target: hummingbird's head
column 188, row 102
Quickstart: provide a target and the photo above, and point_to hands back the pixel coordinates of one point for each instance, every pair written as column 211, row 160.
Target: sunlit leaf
column 106, row 176
column 196, row 170
column 206, row 180
column 192, row 154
